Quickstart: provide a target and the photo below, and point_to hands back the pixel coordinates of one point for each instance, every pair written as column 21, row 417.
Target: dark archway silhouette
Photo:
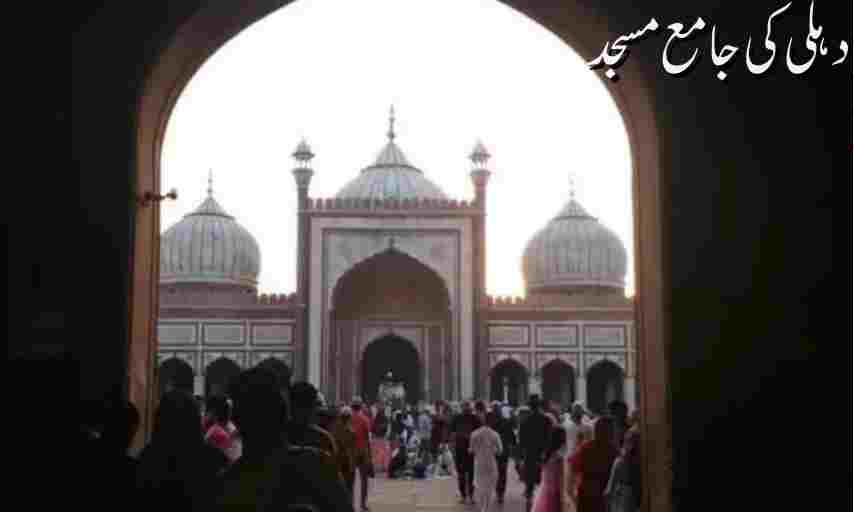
column 192, row 34
column 558, row 383
column 175, row 374
column 278, row 367
column 396, row 355
column 604, row 384
column 219, row 374
column 509, row 381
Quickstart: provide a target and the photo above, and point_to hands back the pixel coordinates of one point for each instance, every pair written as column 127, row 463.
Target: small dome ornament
column 302, row 171
column 303, row 154
column 391, row 135
column 479, row 154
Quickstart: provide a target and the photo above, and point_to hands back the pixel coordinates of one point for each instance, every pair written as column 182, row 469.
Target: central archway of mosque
column 391, row 301
column 391, row 362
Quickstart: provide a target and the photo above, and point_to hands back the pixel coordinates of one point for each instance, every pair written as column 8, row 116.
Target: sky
column 455, row 70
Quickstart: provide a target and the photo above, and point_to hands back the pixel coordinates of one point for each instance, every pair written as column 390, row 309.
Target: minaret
column 480, row 174
column 302, row 171
column 302, row 175
column 480, row 177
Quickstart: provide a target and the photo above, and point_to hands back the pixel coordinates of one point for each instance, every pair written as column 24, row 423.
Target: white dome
column 391, row 177
column 209, row 246
column 574, row 251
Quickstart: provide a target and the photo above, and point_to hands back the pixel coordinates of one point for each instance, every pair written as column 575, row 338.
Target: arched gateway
column 391, row 314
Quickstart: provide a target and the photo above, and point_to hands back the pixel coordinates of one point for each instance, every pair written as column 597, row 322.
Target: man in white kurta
column 485, row 444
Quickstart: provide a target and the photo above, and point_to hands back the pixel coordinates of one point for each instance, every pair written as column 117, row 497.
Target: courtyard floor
column 433, row 495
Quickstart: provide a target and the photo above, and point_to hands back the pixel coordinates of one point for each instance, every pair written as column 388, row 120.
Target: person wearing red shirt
column 361, row 426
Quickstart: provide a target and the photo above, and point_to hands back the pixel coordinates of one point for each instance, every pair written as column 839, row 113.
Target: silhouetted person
column 534, row 436
column 462, row 426
column 591, row 468
column 303, row 429
column 272, row 475
column 177, row 469
column 619, row 412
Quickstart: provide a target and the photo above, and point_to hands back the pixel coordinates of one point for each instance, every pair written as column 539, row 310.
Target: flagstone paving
column 432, row 495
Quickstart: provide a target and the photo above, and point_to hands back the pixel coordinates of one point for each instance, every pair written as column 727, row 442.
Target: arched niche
column 558, row 383
column 393, row 355
column 605, row 383
column 508, row 381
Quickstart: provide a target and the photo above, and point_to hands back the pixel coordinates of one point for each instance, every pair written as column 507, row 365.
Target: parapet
column 419, row 204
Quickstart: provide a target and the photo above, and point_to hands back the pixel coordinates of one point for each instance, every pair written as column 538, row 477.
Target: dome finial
column 210, row 182
column 479, row 154
column 571, row 186
column 391, row 133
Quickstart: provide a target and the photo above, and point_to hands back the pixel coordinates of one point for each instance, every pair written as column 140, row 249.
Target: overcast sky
column 455, row 70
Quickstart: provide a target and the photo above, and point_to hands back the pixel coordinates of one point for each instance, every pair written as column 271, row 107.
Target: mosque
column 390, row 278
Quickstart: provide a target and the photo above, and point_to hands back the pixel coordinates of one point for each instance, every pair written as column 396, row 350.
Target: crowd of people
column 568, row 460
column 268, row 445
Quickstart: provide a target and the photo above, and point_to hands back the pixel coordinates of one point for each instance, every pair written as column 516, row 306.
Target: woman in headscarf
column 177, row 469
column 591, row 469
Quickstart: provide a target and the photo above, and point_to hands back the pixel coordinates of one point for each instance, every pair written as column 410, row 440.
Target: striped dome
column 391, row 177
column 574, row 251
column 209, row 246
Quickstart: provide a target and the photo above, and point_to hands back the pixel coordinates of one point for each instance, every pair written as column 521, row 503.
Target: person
column 397, row 429
column 425, row 429
column 549, row 497
column 380, row 448
column 534, row 436
column 177, row 468
column 480, row 410
column 485, row 445
column 619, row 413
column 439, row 428
column 345, row 440
column 500, row 421
column 591, row 468
column 221, row 433
column 577, row 429
column 303, row 429
column 119, row 424
column 272, row 474
column 398, row 463
column 362, row 429
column 462, row 426
column 624, row 486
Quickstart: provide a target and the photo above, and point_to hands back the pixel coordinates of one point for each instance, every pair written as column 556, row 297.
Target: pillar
column 629, row 393
column 581, row 389
column 535, row 385
column 199, row 385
